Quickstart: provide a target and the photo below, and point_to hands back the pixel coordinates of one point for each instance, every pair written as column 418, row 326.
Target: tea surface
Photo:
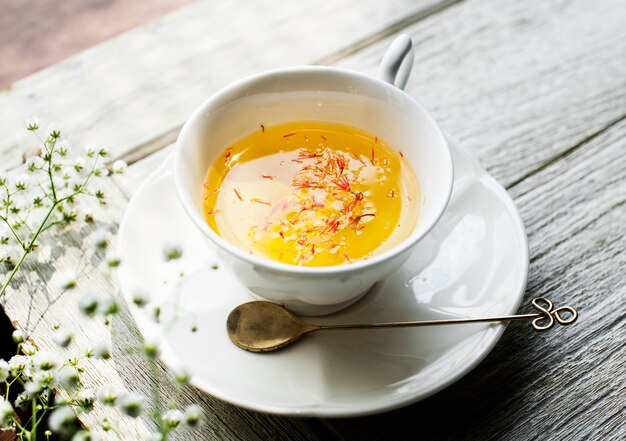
column 311, row 193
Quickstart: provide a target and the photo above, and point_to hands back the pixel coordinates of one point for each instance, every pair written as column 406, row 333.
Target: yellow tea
column 311, row 193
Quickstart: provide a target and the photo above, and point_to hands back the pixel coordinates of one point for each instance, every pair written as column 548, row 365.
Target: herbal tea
column 311, row 193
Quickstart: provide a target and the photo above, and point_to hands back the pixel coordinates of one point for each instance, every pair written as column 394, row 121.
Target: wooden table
column 536, row 90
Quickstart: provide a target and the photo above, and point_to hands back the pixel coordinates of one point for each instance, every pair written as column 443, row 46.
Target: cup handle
column 397, row 62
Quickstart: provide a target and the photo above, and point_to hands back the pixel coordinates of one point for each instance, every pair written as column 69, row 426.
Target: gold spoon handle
column 544, row 319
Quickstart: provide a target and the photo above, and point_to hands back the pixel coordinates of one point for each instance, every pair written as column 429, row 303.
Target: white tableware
column 476, row 265
column 316, row 93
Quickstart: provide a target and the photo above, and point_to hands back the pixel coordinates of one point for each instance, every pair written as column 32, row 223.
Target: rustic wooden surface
column 537, row 92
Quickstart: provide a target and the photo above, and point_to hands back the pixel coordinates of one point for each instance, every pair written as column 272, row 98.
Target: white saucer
column 479, row 268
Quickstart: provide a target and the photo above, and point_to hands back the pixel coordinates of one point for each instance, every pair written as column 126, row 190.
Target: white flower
column 113, row 260
column 88, row 304
column 109, row 306
column 61, row 419
column 63, row 148
column 85, row 398
column 172, row 418
column 54, row 130
column 101, row 172
column 5, row 370
column 18, row 336
column 132, row 404
column 172, row 251
column 63, row 337
column 181, row 375
column 67, row 280
column 119, row 166
column 33, row 389
column 34, row 163
column 141, row 297
column 22, row 401
column 45, row 378
column 21, row 182
column 99, row 238
column 108, row 394
column 68, row 377
column 193, row 415
column 90, row 150
column 29, row 348
column 151, row 346
column 83, row 435
column 6, row 412
column 3, row 177
column 103, row 151
column 46, row 360
column 32, row 123
column 102, row 350
column 80, row 165
column 17, row 364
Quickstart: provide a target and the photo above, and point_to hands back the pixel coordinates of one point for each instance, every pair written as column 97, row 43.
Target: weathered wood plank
column 518, row 84
column 567, row 383
column 130, row 90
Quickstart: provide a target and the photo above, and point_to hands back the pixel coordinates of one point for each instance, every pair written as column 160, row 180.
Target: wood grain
column 518, row 84
column 134, row 88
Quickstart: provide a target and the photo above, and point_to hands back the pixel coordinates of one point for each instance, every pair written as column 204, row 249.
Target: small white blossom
column 46, row 360
column 108, row 394
column 5, row 370
column 90, row 150
column 84, row 435
column 181, row 375
column 193, row 415
column 101, row 172
column 63, row 337
column 22, row 401
column 6, row 412
column 28, row 348
column 99, row 239
column 18, row 336
column 3, row 177
column 102, row 350
column 61, row 419
column 67, row 280
column 85, row 398
column 80, row 165
column 63, row 148
column 113, row 260
column 109, row 306
column 34, row 163
column 172, row 251
column 103, row 151
column 118, row 167
column 33, row 389
column 141, row 297
column 17, row 364
column 54, row 130
column 32, row 123
column 172, row 418
column 21, row 182
column 88, row 304
column 68, row 377
column 132, row 404
column 151, row 346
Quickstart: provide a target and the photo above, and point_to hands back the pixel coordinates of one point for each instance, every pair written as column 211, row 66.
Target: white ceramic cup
column 316, row 93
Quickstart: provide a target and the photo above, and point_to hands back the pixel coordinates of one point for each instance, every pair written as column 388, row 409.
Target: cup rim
column 266, row 263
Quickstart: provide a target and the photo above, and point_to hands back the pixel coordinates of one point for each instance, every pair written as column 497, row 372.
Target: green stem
column 27, row 250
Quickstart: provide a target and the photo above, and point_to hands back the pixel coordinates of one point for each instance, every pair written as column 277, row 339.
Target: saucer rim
column 170, row 359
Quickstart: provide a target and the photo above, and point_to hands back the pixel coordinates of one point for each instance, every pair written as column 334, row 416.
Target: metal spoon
column 265, row 326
